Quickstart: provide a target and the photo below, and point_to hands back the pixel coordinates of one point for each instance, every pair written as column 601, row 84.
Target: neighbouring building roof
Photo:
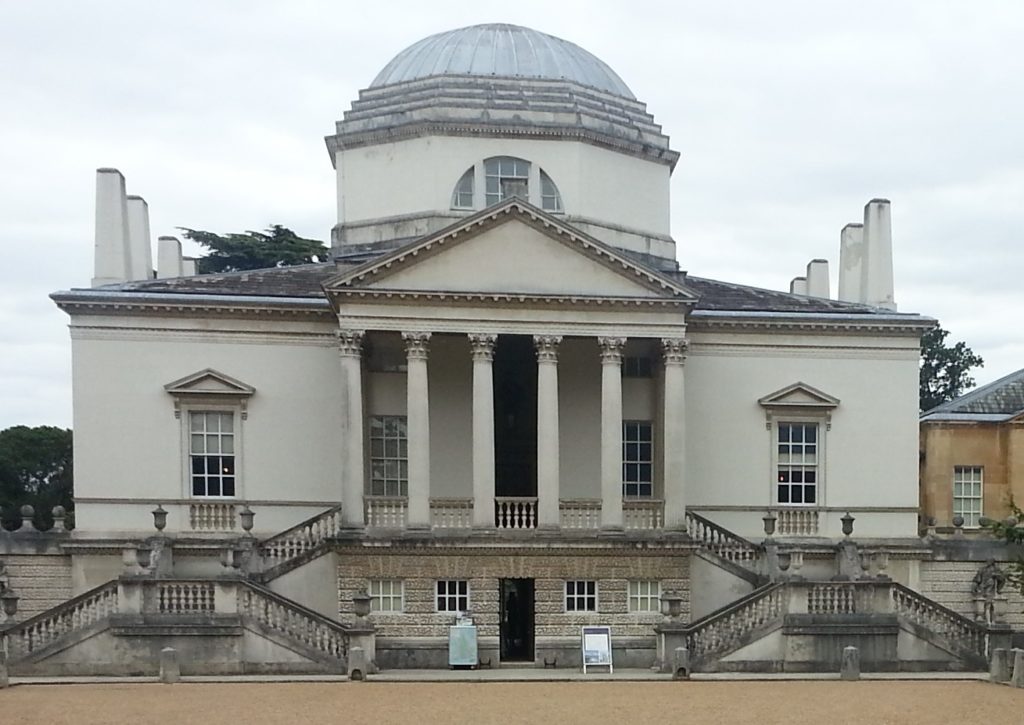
column 998, row 401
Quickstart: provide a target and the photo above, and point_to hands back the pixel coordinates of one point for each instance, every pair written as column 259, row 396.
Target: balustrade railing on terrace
column 580, row 513
column 451, row 513
column 185, row 597
column 386, row 512
column 723, row 542
column 292, row 620
column 646, row 514
column 74, row 615
column 797, row 522
column 515, row 512
column 301, row 538
column 209, row 516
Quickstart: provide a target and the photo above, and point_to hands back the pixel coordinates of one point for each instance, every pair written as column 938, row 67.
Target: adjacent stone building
column 972, row 454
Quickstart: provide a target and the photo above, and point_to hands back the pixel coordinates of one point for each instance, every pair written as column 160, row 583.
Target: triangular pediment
column 799, row 395
column 209, row 382
column 514, row 249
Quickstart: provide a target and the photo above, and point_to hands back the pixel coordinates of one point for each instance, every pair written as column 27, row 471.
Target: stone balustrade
column 643, row 514
column 797, row 522
column 580, row 513
column 212, row 517
column 451, row 513
column 515, row 512
column 301, row 538
column 386, row 512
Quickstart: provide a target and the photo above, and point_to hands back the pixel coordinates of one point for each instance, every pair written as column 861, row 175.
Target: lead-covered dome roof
column 501, row 50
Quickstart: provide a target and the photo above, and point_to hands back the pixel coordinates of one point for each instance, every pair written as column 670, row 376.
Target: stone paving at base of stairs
column 524, row 674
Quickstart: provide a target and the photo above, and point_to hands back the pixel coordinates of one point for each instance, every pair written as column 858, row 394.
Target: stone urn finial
column 361, row 604
column 847, row 523
column 671, row 605
column 27, row 514
column 245, row 519
column 769, row 523
column 159, row 518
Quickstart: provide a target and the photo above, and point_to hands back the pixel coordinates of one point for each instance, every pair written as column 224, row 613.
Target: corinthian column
column 611, row 431
column 547, row 429
column 350, row 350
column 482, row 347
column 417, row 347
column 674, row 352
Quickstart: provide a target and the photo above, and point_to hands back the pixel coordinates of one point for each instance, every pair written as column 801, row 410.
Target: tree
column 277, row 247
column 944, row 369
column 35, row 469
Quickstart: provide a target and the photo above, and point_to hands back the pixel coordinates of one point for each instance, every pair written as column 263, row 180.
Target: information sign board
column 597, row 647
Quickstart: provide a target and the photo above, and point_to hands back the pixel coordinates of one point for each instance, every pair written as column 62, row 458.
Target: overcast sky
column 789, row 116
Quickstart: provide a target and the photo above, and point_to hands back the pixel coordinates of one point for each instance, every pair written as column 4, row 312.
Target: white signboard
column 597, row 647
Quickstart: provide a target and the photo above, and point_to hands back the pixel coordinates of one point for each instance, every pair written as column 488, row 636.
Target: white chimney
column 139, row 240
column 851, row 263
column 878, row 285
column 817, row 279
column 168, row 257
column 112, row 254
column 188, row 266
column 798, row 286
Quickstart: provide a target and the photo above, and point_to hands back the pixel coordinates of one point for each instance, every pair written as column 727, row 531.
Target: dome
column 501, row 50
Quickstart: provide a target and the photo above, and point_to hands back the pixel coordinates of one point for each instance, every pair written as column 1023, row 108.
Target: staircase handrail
column 301, row 537
column 24, row 638
column 725, row 543
column 975, row 633
column 732, row 622
column 335, row 646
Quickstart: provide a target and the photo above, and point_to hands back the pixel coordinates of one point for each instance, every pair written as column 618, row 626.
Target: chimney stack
column 877, row 288
column 112, row 254
column 139, row 239
column 851, row 263
column 188, row 267
column 798, row 286
column 817, row 279
column 168, row 257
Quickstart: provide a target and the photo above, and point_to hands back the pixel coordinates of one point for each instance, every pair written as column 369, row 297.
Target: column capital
column 547, row 347
column 611, row 349
column 417, row 345
column 673, row 349
column 350, row 343
column 482, row 346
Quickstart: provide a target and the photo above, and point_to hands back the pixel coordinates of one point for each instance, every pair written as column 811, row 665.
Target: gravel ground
column 707, row 703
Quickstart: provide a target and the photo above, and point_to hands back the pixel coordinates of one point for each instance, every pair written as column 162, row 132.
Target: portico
column 534, row 441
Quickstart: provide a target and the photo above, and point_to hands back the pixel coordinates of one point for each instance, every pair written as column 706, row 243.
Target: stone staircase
column 301, row 543
column 728, row 550
column 875, row 615
column 217, row 622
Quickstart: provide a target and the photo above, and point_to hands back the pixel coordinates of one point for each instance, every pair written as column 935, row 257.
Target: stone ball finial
column 27, row 511
column 59, row 511
column 958, row 521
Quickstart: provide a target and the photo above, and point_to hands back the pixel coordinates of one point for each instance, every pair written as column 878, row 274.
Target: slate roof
column 305, row 281
column 998, row 401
